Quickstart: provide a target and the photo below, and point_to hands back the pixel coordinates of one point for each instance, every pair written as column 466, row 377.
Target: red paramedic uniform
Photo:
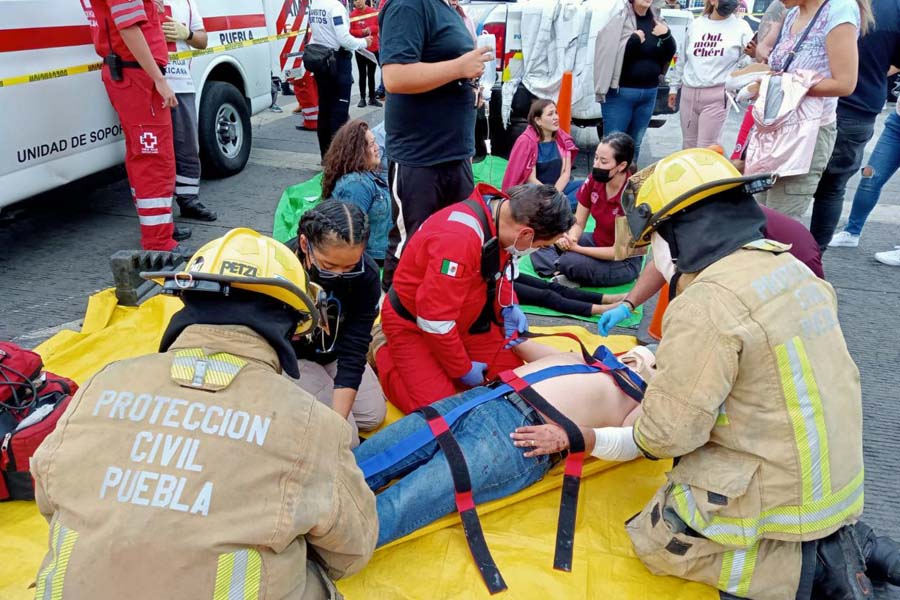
column 308, row 98
column 439, row 281
column 149, row 148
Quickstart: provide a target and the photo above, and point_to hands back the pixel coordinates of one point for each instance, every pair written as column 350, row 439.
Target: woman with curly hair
column 352, row 175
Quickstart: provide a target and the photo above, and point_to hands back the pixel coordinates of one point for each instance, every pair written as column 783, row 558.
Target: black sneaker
column 374, row 102
column 181, row 233
column 362, row 103
column 194, row 209
column 881, row 553
column 182, row 251
column 841, row 568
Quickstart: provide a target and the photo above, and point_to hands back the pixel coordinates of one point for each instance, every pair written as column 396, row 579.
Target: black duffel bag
column 320, row 60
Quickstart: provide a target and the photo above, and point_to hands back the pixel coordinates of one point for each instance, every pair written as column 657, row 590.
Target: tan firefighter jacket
column 759, row 397
column 199, row 473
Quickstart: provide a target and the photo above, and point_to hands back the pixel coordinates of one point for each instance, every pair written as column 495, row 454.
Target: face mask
column 516, row 253
column 601, row 175
column 726, row 8
column 318, row 273
column 662, row 257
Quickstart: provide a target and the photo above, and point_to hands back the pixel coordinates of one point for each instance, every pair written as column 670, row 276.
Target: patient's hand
column 540, row 439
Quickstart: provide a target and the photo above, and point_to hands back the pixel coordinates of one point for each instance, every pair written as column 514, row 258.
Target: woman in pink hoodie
column 543, row 153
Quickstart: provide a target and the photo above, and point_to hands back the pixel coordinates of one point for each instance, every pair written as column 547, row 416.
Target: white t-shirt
column 330, row 25
column 178, row 72
column 712, row 50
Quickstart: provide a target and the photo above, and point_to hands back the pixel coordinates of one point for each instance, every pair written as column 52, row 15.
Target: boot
column 194, row 209
column 374, row 102
column 182, row 251
column 362, row 103
column 840, row 568
column 882, row 555
column 181, row 233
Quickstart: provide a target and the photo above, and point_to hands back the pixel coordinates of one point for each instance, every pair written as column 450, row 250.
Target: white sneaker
column 563, row 280
column 844, row 239
column 891, row 257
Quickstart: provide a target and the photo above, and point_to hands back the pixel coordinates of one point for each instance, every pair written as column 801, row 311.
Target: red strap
column 575, row 464
column 464, row 501
column 514, row 381
column 438, row 426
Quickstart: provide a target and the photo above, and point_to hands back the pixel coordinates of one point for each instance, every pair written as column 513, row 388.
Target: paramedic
column 127, row 34
column 442, row 318
column 162, row 493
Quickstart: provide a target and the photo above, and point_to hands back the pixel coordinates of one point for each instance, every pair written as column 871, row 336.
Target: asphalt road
column 54, row 252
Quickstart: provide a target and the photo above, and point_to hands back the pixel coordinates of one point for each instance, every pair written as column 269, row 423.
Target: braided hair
column 333, row 221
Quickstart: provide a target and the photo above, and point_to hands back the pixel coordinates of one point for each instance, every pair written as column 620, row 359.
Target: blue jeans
column 884, row 162
column 629, row 110
column 595, row 272
column 571, row 190
column 424, row 492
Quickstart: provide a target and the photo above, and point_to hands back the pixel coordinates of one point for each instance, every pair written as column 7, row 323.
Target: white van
column 58, row 124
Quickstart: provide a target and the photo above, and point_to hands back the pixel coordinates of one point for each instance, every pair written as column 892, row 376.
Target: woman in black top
column 647, row 55
column 331, row 243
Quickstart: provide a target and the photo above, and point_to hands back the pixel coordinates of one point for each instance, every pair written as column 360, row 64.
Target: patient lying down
column 505, row 441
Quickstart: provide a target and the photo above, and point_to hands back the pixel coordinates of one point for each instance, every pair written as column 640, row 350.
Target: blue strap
column 605, row 355
column 416, row 440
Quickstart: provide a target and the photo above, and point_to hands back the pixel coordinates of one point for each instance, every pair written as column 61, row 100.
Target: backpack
column 31, row 403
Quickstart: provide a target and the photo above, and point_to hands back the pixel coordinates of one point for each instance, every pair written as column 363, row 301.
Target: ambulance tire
column 225, row 131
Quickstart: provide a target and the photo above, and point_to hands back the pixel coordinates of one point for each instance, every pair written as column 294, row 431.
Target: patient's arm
column 531, row 351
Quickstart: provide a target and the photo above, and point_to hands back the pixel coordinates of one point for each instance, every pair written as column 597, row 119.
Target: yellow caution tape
column 91, row 67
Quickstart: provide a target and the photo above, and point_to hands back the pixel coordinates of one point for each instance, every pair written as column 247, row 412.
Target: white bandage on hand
column 615, row 444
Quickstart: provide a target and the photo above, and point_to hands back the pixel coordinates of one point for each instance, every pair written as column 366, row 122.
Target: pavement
column 55, row 249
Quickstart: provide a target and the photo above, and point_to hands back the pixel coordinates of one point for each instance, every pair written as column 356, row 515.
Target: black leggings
column 366, row 73
column 547, row 294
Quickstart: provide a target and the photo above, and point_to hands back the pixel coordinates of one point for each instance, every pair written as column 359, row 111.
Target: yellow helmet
column 246, row 260
column 677, row 182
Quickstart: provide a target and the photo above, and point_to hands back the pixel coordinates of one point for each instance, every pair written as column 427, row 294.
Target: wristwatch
column 190, row 35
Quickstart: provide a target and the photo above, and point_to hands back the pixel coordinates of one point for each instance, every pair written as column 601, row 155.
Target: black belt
column 394, row 299
column 131, row 64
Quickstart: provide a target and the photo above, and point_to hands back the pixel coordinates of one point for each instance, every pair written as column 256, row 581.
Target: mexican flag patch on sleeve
column 453, row 269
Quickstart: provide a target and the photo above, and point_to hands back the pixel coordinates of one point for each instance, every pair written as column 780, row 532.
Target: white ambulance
column 57, row 124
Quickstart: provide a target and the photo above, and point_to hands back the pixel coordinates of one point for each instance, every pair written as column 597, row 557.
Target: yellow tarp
column 432, row 563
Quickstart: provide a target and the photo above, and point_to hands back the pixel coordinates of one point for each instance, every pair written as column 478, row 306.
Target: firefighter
column 453, row 291
column 129, row 38
column 202, row 468
column 757, row 397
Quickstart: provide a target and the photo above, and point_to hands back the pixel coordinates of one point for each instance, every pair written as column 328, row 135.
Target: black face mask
column 726, row 8
column 601, row 175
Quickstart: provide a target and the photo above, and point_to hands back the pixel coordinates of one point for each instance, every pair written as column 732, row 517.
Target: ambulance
column 57, row 124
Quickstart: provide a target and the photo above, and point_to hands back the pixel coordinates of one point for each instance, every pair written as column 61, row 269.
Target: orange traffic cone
column 655, row 329
column 564, row 103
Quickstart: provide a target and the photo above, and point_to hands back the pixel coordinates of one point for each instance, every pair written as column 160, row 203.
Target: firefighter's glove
column 475, row 376
column 514, row 323
column 611, row 318
column 175, row 30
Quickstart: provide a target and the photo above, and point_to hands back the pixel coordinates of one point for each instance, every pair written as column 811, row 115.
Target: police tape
column 96, row 66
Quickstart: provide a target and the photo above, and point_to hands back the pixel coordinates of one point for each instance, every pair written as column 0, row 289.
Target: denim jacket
column 369, row 191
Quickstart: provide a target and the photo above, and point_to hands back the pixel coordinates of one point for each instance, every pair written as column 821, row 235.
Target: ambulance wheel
column 225, row 134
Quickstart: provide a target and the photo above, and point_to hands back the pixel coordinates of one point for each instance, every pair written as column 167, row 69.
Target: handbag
column 320, row 60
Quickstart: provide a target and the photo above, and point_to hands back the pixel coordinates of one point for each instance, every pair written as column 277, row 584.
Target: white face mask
column 516, row 253
column 662, row 257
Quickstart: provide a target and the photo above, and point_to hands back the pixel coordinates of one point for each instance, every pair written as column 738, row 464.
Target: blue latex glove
column 514, row 321
column 475, row 376
column 611, row 318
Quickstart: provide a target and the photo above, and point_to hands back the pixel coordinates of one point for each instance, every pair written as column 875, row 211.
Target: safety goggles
column 326, row 274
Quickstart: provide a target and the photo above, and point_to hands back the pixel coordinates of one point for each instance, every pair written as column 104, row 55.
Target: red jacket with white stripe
column 439, row 280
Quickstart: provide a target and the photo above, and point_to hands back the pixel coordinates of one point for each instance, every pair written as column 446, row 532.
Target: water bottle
column 490, row 68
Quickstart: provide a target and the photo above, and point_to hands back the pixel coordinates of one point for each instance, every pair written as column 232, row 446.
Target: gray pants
column 187, row 149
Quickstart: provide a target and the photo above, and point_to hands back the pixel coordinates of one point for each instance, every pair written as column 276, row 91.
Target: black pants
column 416, row 194
column 366, row 73
column 572, row 301
column 334, row 99
column 853, row 133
